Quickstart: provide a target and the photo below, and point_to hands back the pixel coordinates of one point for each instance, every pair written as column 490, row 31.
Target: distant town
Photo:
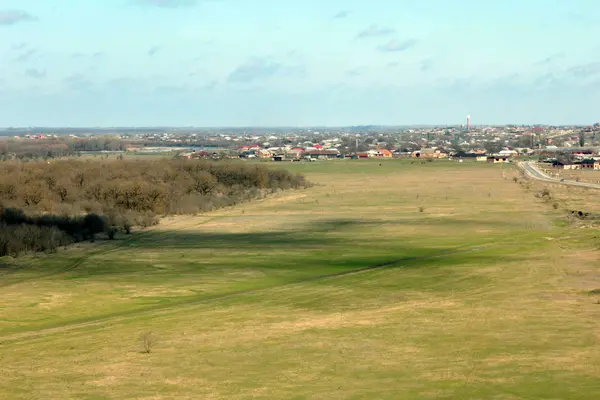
column 494, row 143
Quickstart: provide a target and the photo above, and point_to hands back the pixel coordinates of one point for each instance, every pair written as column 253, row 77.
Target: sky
column 106, row 63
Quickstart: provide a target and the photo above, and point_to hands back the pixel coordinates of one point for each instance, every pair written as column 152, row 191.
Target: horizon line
column 8, row 128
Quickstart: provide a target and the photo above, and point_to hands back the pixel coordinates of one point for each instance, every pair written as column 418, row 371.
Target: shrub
column 44, row 233
column 22, row 238
column 148, row 341
column 111, row 232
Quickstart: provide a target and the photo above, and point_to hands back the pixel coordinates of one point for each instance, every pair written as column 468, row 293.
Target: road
column 532, row 170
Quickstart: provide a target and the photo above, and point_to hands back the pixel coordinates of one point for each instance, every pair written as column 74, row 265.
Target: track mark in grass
column 196, row 300
column 78, row 261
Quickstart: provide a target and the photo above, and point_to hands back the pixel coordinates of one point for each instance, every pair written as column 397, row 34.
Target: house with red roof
column 384, row 153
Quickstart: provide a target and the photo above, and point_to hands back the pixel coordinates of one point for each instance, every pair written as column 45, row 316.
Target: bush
column 148, row 341
column 21, row 233
column 22, row 238
column 111, row 232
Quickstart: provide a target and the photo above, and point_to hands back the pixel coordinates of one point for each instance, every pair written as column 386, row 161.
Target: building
column 564, row 164
column 248, row 154
column 294, row 154
column 429, row 153
column 497, row 160
column 507, row 153
column 321, row 154
column 263, row 153
column 586, row 164
column 383, row 153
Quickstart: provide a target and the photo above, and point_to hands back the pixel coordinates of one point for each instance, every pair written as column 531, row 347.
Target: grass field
column 386, row 280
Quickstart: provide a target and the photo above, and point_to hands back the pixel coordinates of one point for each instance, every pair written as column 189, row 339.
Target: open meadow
column 386, row 280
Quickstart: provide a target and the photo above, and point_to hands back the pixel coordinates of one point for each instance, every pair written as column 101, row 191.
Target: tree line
column 45, row 205
column 29, row 149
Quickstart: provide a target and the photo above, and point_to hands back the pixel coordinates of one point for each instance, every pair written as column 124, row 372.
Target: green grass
column 343, row 291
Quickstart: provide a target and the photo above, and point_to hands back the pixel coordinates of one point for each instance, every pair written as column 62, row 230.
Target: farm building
column 322, row 154
column 564, row 164
column 429, row 153
column 497, row 159
column 586, row 164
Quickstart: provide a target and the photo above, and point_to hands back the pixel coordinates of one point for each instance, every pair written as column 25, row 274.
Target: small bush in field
column 148, row 342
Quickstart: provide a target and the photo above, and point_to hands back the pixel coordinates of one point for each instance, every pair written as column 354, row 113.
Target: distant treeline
column 51, row 148
column 47, row 204
column 32, row 149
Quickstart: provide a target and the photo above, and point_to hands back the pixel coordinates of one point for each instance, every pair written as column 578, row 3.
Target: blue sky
column 291, row 63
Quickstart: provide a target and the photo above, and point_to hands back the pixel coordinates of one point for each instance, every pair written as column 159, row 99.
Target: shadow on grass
column 326, row 264
column 316, row 234
column 311, row 251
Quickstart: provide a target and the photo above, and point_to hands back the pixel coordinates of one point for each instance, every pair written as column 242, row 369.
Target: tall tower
column 468, row 122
